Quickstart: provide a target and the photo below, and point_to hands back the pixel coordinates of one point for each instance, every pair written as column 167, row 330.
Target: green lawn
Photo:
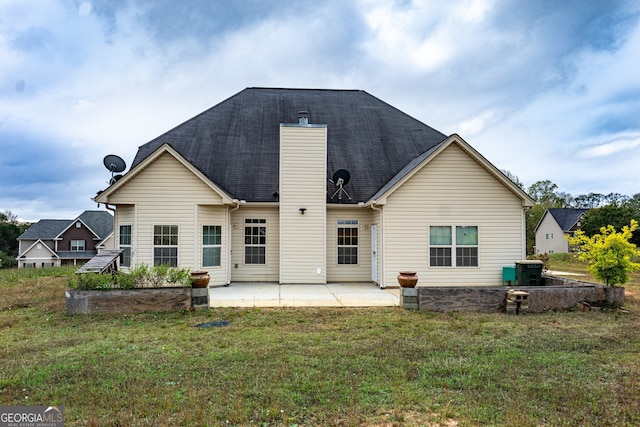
column 321, row 367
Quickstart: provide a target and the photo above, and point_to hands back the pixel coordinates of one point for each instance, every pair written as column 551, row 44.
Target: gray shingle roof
column 45, row 229
column 76, row 254
column 567, row 217
column 236, row 143
column 101, row 222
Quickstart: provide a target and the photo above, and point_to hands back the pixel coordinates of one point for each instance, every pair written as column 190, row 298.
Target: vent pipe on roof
column 303, row 117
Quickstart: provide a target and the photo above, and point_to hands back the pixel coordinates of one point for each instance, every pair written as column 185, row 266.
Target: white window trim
column 130, row 245
column 348, row 223
column 154, row 246
column 84, row 246
column 211, row 246
column 245, row 245
column 453, row 246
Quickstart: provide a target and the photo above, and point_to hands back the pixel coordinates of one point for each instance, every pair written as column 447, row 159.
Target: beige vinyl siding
column 38, row 256
column 303, row 183
column 126, row 215
column 165, row 193
column 452, row 189
column 360, row 272
column 241, row 272
column 214, row 215
column 556, row 243
column 23, row 245
column 108, row 243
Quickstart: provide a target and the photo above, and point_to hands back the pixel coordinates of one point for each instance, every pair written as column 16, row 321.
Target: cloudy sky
column 544, row 89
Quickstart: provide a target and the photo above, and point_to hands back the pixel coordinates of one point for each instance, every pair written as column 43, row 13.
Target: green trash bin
column 529, row 273
column 509, row 276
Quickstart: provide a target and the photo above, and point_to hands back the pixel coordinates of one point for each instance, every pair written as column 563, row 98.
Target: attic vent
column 303, row 117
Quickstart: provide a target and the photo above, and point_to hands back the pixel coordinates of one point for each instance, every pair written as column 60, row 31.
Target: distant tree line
column 10, row 229
column 604, row 209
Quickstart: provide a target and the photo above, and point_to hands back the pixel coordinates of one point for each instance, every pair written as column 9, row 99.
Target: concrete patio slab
column 276, row 295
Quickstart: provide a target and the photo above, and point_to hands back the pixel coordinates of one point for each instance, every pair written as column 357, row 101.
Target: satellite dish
column 114, row 163
column 115, row 178
column 340, row 178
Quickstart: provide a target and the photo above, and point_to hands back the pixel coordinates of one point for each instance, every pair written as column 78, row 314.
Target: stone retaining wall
column 128, row 301
column 556, row 293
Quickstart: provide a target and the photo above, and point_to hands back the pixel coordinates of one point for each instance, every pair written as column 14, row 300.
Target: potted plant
column 200, row 278
column 408, row 279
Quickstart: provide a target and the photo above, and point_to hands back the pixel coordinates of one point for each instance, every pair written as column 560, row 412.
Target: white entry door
column 374, row 253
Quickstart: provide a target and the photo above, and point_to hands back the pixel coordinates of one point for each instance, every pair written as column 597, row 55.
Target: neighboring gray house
column 58, row 242
column 553, row 228
column 316, row 186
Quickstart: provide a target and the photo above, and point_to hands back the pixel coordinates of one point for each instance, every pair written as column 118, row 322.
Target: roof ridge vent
column 303, row 117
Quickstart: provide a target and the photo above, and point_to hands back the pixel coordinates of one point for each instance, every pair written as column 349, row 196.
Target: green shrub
column 141, row 276
column 7, row 261
column 159, row 274
column 89, row 281
column 609, row 254
column 179, row 276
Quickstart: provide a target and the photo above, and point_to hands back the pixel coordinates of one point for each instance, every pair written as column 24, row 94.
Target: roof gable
column 567, row 218
column 235, row 144
column 99, row 223
column 165, row 149
column 33, row 245
column 421, row 161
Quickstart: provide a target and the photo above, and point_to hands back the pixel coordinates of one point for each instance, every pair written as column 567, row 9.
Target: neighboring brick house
column 316, row 186
column 58, row 242
column 553, row 228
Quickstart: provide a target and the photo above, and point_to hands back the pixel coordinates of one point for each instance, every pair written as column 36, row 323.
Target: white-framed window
column 78, row 224
column 125, row 245
column 77, row 245
column 29, row 265
column 453, row 246
column 165, row 245
column 255, row 241
column 347, row 241
column 211, row 245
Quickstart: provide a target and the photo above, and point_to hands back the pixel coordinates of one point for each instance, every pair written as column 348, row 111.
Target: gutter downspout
column 116, row 237
column 381, row 237
column 229, row 234
column 524, row 233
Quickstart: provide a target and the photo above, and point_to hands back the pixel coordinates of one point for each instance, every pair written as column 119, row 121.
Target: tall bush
column 610, row 255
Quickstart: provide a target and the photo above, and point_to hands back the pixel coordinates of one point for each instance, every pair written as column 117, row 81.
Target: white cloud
column 523, row 83
column 477, row 124
column 611, row 147
column 85, row 8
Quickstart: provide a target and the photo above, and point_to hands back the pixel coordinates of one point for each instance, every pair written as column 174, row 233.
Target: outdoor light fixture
column 302, row 210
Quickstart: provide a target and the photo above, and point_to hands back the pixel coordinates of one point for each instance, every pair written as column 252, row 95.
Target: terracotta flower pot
column 200, row 279
column 408, row 279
